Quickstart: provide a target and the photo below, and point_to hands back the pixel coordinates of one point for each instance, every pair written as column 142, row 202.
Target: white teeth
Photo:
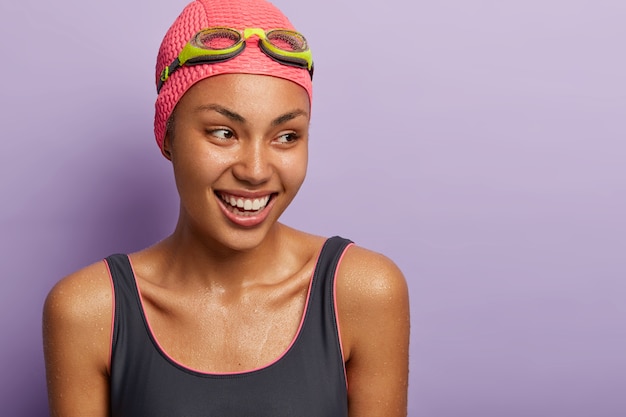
column 246, row 204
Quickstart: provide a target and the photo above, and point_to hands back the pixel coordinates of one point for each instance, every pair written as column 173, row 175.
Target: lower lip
column 248, row 220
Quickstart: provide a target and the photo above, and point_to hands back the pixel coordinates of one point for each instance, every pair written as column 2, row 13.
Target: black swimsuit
column 308, row 380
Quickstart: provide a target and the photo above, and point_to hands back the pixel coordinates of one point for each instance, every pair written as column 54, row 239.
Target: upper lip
column 245, row 194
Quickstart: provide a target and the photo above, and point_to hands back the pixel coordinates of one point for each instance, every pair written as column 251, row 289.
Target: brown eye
column 221, row 133
column 287, row 138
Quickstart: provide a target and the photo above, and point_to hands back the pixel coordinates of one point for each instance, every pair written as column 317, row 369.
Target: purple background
column 480, row 144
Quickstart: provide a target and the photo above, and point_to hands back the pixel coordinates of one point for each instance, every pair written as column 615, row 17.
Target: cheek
column 296, row 168
column 195, row 169
column 193, row 156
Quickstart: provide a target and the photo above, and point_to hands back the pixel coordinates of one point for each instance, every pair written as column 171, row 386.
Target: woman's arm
column 76, row 333
column 373, row 308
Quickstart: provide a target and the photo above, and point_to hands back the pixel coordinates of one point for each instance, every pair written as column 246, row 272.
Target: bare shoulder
column 76, row 335
column 372, row 296
column 79, row 309
column 367, row 278
column 81, row 296
column 373, row 314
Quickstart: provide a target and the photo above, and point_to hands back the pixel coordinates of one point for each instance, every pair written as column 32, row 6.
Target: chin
column 246, row 240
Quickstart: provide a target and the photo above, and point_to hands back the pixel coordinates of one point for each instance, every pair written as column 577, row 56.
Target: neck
column 204, row 261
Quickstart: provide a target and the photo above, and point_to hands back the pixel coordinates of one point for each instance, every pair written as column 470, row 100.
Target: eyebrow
column 223, row 111
column 236, row 117
column 288, row 116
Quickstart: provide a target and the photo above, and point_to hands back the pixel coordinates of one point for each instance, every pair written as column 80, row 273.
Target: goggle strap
column 167, row 72
column 215, row 58
column 203, row 59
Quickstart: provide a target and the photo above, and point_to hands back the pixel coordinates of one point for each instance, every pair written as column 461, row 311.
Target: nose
column 253, row 164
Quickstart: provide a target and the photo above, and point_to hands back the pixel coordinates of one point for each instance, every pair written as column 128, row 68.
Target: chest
column 217, row 336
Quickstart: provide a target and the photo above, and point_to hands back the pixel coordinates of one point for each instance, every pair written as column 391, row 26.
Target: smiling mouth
column 241, row 206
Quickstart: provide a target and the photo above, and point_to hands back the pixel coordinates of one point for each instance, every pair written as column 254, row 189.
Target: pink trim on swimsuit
column 110, row 359
column 343, row 358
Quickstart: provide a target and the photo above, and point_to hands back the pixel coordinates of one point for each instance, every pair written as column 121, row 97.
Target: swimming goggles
column 218, row 44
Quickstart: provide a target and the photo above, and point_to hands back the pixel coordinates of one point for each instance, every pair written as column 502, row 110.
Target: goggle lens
column 287, row 40
column 216, row 39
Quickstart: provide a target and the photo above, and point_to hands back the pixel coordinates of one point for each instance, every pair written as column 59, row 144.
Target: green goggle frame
column 219, row 44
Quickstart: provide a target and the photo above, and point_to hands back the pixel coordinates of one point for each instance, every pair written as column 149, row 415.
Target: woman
column 234, row 314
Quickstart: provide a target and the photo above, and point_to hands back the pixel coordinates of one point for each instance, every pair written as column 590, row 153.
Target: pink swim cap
column 236, row 14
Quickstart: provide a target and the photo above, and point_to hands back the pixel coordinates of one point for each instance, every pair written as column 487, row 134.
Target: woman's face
column 239, row 149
